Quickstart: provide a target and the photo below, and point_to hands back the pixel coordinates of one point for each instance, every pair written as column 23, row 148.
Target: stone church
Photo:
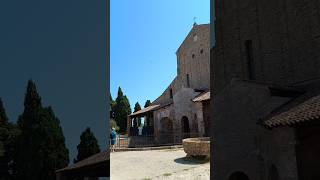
column 182, row 110
column 265, row 68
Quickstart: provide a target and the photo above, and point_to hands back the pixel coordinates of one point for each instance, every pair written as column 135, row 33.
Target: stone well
column 197, row 147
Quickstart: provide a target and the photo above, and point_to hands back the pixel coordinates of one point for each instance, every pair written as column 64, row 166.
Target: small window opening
column 201, row 51
column 188, row 80
column 171, row 94
column 250, row 62
column 192, row 55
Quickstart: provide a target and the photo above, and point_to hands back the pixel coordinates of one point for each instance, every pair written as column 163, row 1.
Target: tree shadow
column 192, row 160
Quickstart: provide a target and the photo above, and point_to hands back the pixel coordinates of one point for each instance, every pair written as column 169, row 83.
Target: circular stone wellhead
column 197, row 147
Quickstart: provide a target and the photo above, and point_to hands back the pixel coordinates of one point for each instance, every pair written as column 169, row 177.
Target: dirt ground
column 169, row 164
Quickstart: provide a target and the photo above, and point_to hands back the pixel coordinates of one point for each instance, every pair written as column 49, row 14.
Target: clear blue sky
column 144, row 37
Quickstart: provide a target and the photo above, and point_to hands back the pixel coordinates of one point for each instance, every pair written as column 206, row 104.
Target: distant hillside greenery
column 34, row 148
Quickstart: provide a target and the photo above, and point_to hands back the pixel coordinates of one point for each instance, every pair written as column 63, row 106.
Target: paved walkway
column 169, row 164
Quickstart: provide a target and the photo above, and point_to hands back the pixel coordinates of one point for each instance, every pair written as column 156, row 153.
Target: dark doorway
column 273, row 174
column 238, row 176
column 166, row 131
column 308, row 150
column 185, row 127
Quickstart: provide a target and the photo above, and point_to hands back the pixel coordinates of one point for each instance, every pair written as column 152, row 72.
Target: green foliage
column 148, row 103
column 40, row 148
column 112, row 105
column 122, row 110
column 88, row 145
column 8, row 136
column 137, row 107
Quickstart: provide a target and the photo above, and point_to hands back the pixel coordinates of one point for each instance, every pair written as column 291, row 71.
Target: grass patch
column 146, row 179
column 186, row 169
column 167, row 174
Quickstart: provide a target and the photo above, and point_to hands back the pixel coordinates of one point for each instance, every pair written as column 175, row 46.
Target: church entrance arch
column 185, row 127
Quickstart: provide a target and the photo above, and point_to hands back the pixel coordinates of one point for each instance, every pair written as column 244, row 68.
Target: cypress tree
column 88, row 145
column 122, row 110
column 8, row 137
column 137, row 107
column 41, row 146
column 148, row 103
column 112, row 105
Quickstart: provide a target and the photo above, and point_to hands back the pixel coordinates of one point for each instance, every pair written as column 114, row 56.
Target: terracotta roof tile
column 101, row 157
column 305, row 111
column 202, row 97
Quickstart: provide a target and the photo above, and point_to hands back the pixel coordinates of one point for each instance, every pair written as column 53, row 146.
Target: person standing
column 113, row 138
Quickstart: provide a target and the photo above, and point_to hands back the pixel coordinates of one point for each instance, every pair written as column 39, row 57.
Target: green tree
column 122, row 110
column 88, row 145
column 8, row 135
column 41, row 146
column 137, row 107
column 148, row 103
column 112, row 105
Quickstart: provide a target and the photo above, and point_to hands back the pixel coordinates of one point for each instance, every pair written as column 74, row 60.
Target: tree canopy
column 88, row 145
column 148, row 103
column 121, row 110
column 40, row 148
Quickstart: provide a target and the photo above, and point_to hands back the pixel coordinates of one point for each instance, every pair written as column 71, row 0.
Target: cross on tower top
column 194, row 21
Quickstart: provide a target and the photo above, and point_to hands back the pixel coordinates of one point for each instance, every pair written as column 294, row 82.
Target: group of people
column 113, row 139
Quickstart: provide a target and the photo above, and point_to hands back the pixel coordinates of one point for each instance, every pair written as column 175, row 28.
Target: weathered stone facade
column 175, row 111
column 264, row 50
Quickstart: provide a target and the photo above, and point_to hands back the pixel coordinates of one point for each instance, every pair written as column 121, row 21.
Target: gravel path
column 170, row 164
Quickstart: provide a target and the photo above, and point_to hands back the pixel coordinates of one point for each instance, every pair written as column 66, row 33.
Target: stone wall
column 240, row 142
column 184, row 106
column 198, row 67
column 193, row 58
column 285, row 40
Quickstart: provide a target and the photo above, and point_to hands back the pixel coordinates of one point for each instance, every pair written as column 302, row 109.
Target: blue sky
column 144, row 36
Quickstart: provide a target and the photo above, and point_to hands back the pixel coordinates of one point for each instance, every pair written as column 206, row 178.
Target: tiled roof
column 147, row 109
column 151, row 108
column 102, row 157
column 305, row 111
column 202, row 97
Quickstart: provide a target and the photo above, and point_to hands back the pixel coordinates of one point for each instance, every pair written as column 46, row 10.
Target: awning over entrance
column 97, row 165
column 305, row 111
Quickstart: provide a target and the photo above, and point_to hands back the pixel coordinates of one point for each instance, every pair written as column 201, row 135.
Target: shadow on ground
column 191, row 160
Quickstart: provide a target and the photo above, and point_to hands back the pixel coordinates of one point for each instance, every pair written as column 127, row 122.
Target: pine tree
column 122, row 110
column 148, row 103
column 41, row 146
column 88, row 145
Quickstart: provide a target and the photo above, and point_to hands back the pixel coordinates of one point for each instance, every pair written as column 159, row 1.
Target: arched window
column 238, row 176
